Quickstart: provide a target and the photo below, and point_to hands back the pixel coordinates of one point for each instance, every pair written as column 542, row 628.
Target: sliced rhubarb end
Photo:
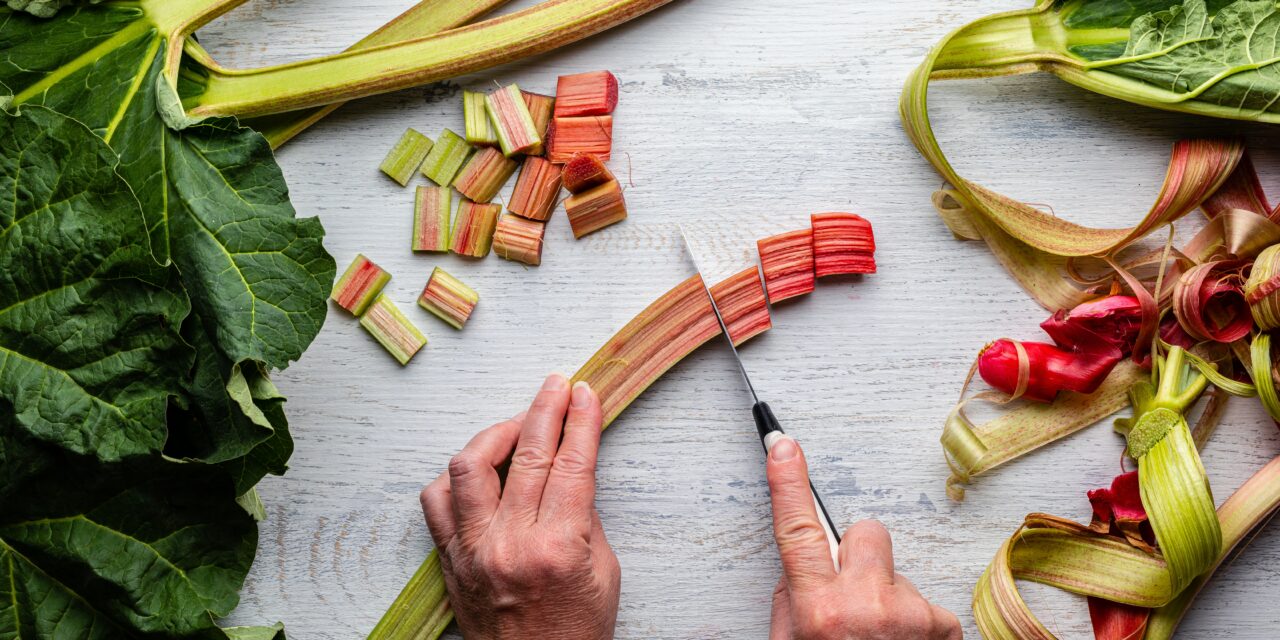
column 586, row 134
column 741, row 301
column 596, row 208
column 584, row 171
column 393, row 330
column 842, row 243
column 541, row 109
column 519, row 239
column 484, row 174
column 479, row 130
column 446, row 157
column 787, row 262
column 359, row 285
column 431, row 208
column 406, row 156
column 536, row 190
column 473, row 228
column 448, row 298
column 594, row 93
column 509, row 115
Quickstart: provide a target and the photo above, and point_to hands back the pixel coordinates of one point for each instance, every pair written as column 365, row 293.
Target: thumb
column 802, row 542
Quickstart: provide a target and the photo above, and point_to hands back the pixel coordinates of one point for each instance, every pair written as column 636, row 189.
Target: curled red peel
column 1048, row 368
column 1113, row 320
column 1210, row 304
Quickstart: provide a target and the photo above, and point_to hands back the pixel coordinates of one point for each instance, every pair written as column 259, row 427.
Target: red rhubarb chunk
column 842, row 243
column 787, row 260
column 740, row 298
column 586, row 94
column 587, row 134
column 583, row 171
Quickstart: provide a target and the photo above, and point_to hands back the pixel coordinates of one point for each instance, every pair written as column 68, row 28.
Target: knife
column 766, row 423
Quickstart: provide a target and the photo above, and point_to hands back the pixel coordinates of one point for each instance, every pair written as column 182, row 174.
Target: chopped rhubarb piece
column 588, row 134
column 431, row 218
column 787, row 260
column 473, row 228
column 842, row 243
column 448, row 298
column 740, row 298
column 478, row 128
column 446, row 158
column 536, row 189
column 392, row 330
column 583, row 171
column 484, row 174
column 406, row 156
column 509, row 115
column 359, row 285
column 596, row 208
column 586, row 94
column 540, row 109
column 519, row 239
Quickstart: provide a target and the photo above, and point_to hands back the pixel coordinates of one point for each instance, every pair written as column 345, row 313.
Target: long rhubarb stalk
column 379, row 69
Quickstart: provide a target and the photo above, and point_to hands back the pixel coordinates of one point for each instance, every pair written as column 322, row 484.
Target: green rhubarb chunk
column 392, row 329
column 359, row 285
column 406, row 156
column 479, row 130
column 510, row 118
column 431, row 209
column 446, row 158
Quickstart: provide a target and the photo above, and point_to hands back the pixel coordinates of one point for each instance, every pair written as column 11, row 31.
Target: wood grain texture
column 737, row 120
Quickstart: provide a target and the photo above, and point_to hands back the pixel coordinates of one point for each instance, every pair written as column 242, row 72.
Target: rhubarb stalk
column 431, row 209
column 448, row 298
column 787, row 261
column 536, row 190
column 484, row 174
column 359, row 285
column 740, row 298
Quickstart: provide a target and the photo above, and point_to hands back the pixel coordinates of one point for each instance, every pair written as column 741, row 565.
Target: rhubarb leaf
column 89, row 348
column 213, row 198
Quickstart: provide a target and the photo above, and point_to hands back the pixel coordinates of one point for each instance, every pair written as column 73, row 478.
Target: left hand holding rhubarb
column 866, row 599
column 528, row 559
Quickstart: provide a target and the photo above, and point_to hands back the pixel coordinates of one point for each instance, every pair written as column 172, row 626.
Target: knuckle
column 799, row 529
column 533, row 458
column 824, row 620
column 574, row 463
column 464, row 464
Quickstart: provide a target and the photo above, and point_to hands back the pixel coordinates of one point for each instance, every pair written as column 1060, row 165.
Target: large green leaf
column 89, row 348
column 212, row 195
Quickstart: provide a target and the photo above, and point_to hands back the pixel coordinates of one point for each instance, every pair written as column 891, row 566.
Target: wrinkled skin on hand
column 528, row 559
column 865, row 599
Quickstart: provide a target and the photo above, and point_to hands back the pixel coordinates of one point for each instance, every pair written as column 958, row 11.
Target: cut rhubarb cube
column 446, row 157
column 406, row 156
column 842, row 243
column 510, row 118
column 596, row 208
column 431, row 209
column 586, row 134
column 740, row 298
column 359, row 285
column 584, row 171
column 787, row 260
column 536, row 190
column 519, row 239
column 540, row 109
column 479, row 129
column 484, row 174
column 473, row 228
column 586, row 94
column 392, row 330
column 448, row 298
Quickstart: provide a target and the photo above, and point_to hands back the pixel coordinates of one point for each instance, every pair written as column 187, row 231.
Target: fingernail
column 581, row 394
column 555, row 382
column 784, row 449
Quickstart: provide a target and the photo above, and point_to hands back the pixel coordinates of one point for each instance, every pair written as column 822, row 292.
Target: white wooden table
column 739, row 119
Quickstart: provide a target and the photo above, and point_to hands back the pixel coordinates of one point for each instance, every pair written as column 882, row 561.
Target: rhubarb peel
column 537, row 189
column 596, row 208
column 1210, row 304
column 405, row 158
column 787, row 262
column 594, row 93
column 473, row 227
column 519, row 239
column 393, row 330
column 431, row 209
column 448, row 298
column 359, row 285
column 484, row 174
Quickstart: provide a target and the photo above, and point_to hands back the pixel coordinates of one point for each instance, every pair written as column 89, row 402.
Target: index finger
column 802, row 542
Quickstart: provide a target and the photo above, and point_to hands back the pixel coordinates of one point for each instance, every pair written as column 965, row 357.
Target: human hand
column 866, row 599
column 528, row 558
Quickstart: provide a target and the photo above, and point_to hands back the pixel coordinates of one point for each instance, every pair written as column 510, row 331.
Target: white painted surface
column 740, row 120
